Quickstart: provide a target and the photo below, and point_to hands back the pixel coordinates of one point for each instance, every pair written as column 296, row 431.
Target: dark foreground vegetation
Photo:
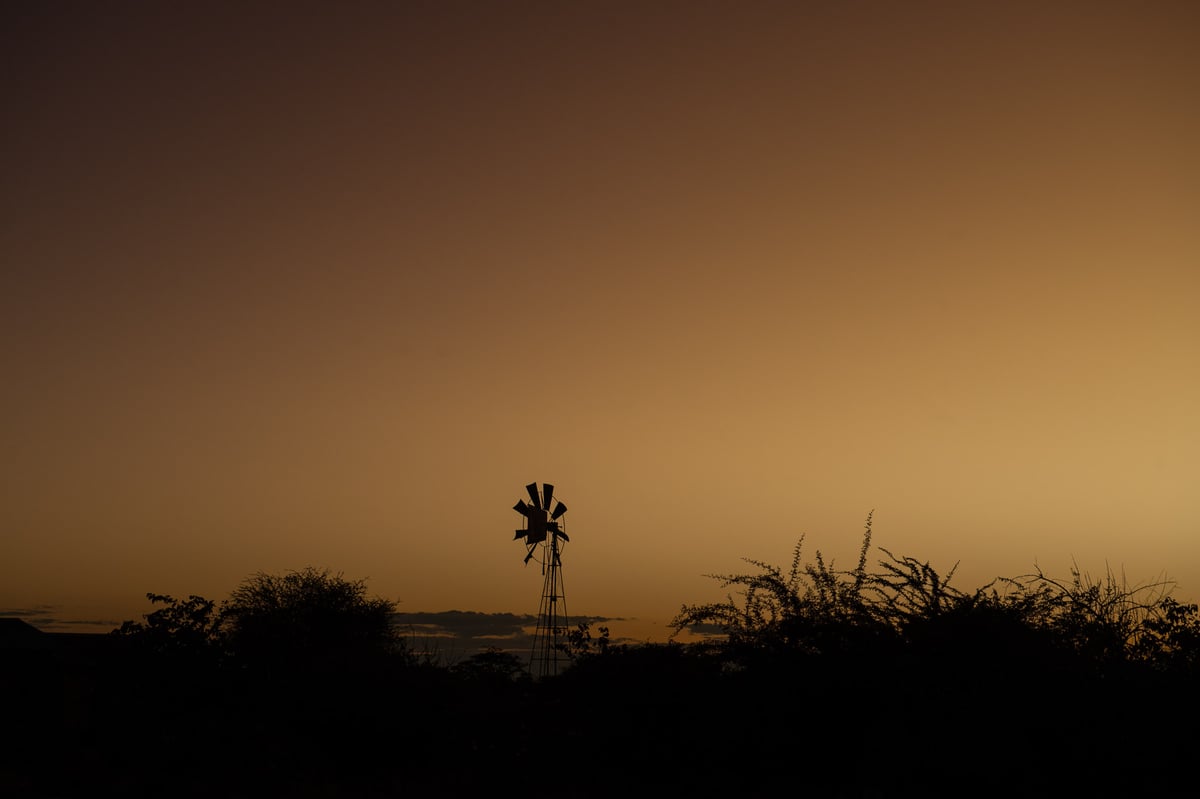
column 879, row 680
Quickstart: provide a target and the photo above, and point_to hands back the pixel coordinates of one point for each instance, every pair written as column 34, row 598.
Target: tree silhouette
column 300, row 686
column 309, row 619
column 183, row 629
column 492, row 666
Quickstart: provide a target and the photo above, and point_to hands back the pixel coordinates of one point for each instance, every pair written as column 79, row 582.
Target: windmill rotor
column 540, row 521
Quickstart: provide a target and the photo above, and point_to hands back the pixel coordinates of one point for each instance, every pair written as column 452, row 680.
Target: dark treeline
column 878, row 680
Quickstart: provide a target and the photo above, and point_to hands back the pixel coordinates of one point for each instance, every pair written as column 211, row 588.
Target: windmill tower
column 544, row 535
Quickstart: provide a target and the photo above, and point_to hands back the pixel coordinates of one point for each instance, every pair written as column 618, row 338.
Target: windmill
column 545, row 531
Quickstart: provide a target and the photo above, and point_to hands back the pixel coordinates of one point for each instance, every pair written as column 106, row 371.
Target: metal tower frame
column 546, row 529
column 547, row 656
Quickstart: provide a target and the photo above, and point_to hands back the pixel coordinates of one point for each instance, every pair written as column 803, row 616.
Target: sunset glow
column 329, row 285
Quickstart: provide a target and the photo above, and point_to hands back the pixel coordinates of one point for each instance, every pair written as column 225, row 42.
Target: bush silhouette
column 307, row 619
column 1047, row 681
column 881, row 679
column 817, row 609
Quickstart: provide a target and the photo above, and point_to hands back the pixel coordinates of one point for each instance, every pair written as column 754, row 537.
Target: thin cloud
column 46, row 618
column 24, row 613
column 453, row 634
column 38, row 615
column 466, row 624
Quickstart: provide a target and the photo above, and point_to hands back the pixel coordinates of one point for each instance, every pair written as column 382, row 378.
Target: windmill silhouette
column 545, row 530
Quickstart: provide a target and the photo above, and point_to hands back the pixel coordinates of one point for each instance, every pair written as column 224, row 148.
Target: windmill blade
column 559, row 510
column 561, row 534
column 521, row 507
column 520, row 534
column 547, row 493
column 533, row 494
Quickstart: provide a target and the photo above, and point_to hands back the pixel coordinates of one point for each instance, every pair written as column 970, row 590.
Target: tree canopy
column 306, row 617
column 304, row 620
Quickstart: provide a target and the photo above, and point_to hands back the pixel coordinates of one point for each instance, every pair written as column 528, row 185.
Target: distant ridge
column 18, row 634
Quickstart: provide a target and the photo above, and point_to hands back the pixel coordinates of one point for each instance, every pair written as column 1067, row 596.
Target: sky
column 317, row 284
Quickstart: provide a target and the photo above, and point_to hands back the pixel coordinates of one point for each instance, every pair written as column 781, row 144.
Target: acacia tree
column 308, row 619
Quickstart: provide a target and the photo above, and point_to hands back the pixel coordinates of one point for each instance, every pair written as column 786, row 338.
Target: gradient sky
column 327, row 284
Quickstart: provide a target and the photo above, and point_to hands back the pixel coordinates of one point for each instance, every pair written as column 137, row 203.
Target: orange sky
column 327, row 285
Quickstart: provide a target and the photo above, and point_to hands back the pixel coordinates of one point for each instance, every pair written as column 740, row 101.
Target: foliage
column 1170, row 637
column 309, row 618
column 580, row 643
column 816, row 609
column 1046, row 681
column 1105, row 622
column 187, row 628
column 809, row 609
column 492, row 665
column 909, row 590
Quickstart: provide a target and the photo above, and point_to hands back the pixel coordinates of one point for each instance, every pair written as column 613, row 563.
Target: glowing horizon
column 331, row 289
